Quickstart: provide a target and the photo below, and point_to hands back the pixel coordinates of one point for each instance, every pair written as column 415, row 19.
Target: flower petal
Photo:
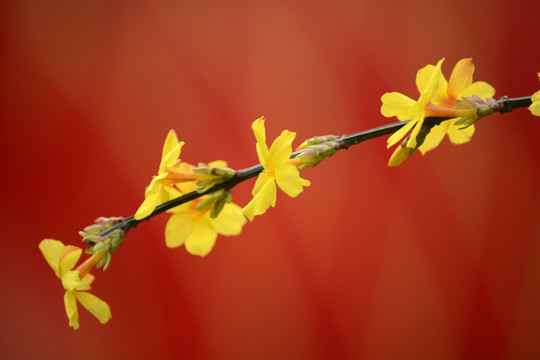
column 289, row 180
column 178, row 229
column 85, row 283
column 70, row 303
column 458, row 136
column 230, row 220
column 202, row 239
column 262, row 199
column 51, row 250
column 434, row 138
column 260, row 135
column 398, row 135
column 69, row 257
column 424, row 76
column 433, row 77
column 396, row 104
column 170, row 143
column 281, row 148
column 414, row 133
column 70, row 280
column 480, row 88
column 535, row 106
column 154, row 195
column 95, row 305
column 398, row 156
column 461, row 78
column 171, row 152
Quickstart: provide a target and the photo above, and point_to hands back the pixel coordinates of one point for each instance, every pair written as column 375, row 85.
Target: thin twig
column 504, row 105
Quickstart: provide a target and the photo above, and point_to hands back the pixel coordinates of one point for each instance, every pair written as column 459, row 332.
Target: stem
column 503, row 105
column 507, row 105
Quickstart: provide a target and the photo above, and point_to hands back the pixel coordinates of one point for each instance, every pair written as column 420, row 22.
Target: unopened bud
column 208, row 176
column 107, row 243
column 216, row 201
column 316, row 141
column 314, row 154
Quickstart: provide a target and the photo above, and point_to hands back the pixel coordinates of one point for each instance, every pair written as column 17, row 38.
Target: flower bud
column 316, row 141
column 207, row 177
column 314, row 154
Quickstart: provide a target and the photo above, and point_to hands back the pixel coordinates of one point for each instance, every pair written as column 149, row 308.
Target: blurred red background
column 436, row 259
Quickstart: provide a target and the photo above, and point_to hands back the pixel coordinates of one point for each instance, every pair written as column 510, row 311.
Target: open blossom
column 459, row 86
column 62, row 260
column 158, row 191
column 196, row 229
column 535, row 106
column 277, row 169
column 438, row 97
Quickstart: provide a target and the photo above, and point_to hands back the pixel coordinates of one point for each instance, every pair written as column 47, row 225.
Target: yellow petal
column 281, row 148
column 398, row 135
column 85, row 283
column 70, row 280
column 412, row 139
column 230, row 220
column 95, row 305
column 51, row 250
column 171, row 151
column 441, row 93
column 399, row 156
column 429, row 88
column 434, row 138
column 480, row 88
column 70, row 303
column 262, row 179
column 396, row 104
column 288, row 179
column 424, row 76
column 69, row 257
column 458, row 136
column 202, row 239
column 262, row 199
column 535, row 106
column 178, row 229
column 170, row 143
column 171, row 158
column 461, row 78
column 260, row 135
column 154, row 195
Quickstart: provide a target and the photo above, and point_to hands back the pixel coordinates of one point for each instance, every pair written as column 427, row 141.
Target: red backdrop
column 436, row 259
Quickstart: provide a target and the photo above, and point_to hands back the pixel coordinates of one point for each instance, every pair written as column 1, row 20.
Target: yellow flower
column 197, row 230
column 276, row 169
column 535, row 106
column 460, row 85
column 158, row 191
column 405, row 108
column 62, row 260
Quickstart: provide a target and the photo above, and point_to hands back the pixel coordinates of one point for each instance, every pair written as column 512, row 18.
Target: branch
column 503, row 105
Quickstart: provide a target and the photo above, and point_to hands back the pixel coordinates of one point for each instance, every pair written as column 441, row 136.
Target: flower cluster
column 440, row 98
column 197, row 223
